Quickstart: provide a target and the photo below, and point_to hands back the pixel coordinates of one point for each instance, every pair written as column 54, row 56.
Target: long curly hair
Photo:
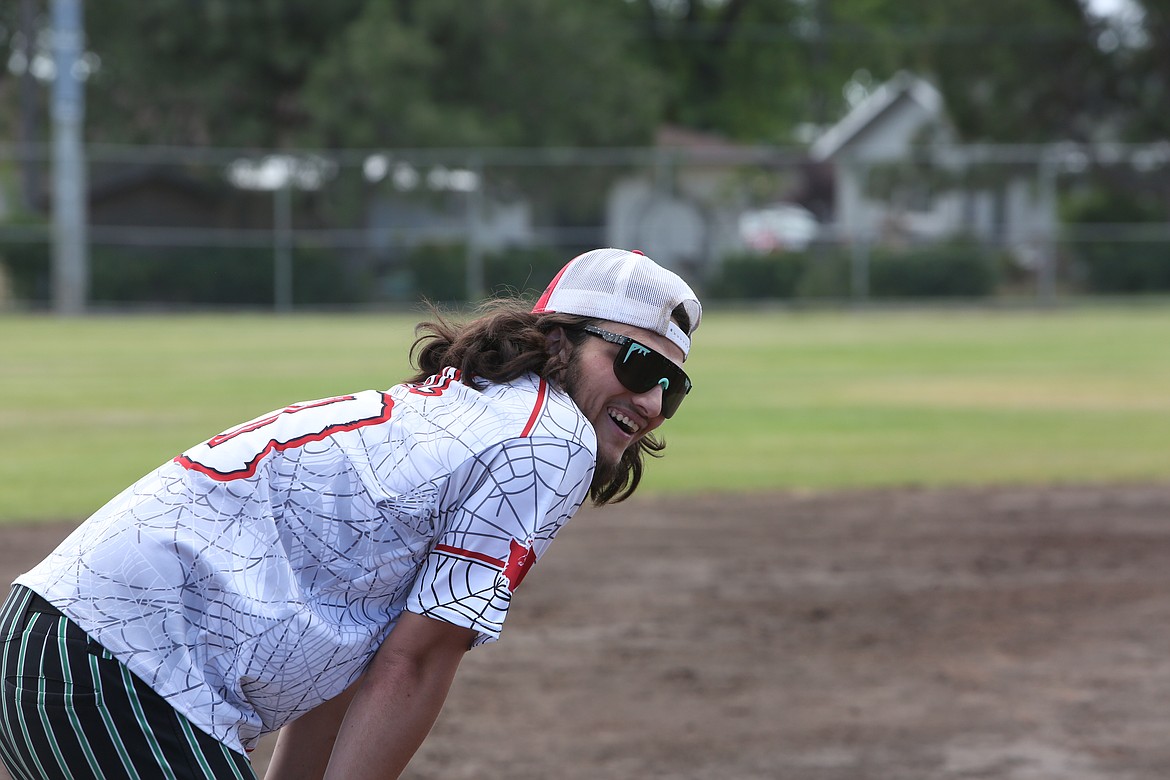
column 505, row 341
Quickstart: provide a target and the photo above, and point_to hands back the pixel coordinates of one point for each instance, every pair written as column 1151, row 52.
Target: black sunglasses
column 639, row 368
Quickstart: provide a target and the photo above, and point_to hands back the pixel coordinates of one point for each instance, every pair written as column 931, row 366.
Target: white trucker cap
column 626, row 287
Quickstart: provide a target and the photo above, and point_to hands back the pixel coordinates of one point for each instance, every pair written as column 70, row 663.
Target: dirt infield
column 1015, row 634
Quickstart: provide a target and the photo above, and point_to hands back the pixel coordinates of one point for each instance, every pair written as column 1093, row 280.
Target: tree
column 273, row 72
column 1019, row 72
column 758, row 70
column 1138, row 46
column 276, row 73
column 733, row 67
column 489, row 73
column 493, row 73
column 214, row 72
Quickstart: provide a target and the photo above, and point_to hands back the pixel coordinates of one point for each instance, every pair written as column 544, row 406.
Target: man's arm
column 303, row 747
column 399, row 698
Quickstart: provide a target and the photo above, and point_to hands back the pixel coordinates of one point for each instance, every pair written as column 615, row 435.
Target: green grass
column 783, row 400
column 926, row 398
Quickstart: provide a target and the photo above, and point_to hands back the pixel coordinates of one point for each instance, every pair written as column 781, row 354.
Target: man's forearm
column 387, row 722
column 401, row 695
column 304, row 746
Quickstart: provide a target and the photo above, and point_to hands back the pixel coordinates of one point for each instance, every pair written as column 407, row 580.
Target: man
column 321, row 570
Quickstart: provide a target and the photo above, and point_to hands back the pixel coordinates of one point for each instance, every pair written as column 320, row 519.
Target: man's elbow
column 417, row 648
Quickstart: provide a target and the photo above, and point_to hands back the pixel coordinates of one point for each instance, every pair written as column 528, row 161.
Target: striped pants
column 71, row 710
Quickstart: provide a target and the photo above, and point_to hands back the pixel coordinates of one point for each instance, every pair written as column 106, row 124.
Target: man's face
column 620, row 416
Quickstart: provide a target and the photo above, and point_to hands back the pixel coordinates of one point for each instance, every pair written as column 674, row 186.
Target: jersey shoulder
column 490, row 412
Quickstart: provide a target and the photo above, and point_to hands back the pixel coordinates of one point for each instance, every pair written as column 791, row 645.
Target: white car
column 780, row 227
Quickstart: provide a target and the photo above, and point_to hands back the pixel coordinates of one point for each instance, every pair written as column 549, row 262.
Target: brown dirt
column 1015, row 634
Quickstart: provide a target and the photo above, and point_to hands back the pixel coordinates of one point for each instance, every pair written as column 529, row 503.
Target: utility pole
column 70, row 246
column 30, row 162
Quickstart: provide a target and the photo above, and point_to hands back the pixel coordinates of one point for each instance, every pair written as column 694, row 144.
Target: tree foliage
column 214, row 72
column 1018, row 72
column 755, row 70
column 272, row 73
column 1141, row 75
column 493, row 72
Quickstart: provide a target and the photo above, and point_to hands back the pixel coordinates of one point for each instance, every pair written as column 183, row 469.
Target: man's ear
column 558, row 343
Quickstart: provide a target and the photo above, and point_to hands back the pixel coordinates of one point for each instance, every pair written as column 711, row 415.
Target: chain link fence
column 175, row 227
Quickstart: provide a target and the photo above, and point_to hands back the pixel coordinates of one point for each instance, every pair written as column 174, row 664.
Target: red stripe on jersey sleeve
column 472, row 554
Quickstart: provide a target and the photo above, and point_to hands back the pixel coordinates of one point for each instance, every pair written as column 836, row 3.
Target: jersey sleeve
column 499, row 511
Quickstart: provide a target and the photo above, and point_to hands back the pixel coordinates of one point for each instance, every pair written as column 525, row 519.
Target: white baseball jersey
column 253, row 577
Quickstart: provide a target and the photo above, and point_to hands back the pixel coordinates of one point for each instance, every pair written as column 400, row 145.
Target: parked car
column 779, row 227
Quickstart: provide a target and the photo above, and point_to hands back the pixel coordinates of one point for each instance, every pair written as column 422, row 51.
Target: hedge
column 1130, row 267
column 244, row 276
column 945, row 270
column 1119, row 266
column 186, row 275
column 437, row 272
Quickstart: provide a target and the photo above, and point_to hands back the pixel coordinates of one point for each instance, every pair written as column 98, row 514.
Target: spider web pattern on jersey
column 249, row 600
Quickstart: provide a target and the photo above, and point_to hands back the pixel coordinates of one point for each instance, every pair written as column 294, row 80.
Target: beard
column 604, row 474
column 606, row 471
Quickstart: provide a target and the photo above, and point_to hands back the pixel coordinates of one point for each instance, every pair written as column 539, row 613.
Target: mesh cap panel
column 626, row 287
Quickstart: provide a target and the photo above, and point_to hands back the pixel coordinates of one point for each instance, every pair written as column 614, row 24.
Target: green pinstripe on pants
column 71, row 710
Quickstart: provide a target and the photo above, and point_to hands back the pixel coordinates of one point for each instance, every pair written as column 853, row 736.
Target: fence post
column 475, row 202
column 70, row 251
column 859, row 257
column 282, row 271
column 1046, row 268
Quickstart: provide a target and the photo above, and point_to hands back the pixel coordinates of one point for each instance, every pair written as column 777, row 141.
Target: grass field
column 783, row 400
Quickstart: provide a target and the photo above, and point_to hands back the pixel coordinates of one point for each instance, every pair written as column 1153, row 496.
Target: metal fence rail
column 697, row 208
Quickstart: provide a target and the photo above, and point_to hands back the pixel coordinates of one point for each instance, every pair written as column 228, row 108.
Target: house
column 442, row 205
column 901, row 177
column 684, row 208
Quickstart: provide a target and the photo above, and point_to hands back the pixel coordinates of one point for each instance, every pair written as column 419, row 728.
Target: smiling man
column 321, row 570
column 644, row 317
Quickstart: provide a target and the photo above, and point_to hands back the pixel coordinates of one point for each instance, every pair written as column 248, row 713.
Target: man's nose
column 649, row 403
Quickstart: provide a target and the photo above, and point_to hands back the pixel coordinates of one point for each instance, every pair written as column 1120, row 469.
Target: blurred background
column 791, row 594
column 368, row 153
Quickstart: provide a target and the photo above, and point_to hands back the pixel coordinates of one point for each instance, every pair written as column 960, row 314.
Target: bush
column 185, row 275
column 523, row 271
column 245, row 276
column 181, row 276
column 438, row 272
column 946, row 270
column 934, row 271
column 1115, row 266
column 827, row 274
column 1132, row 267
column 28, row 271
column 751, row 276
